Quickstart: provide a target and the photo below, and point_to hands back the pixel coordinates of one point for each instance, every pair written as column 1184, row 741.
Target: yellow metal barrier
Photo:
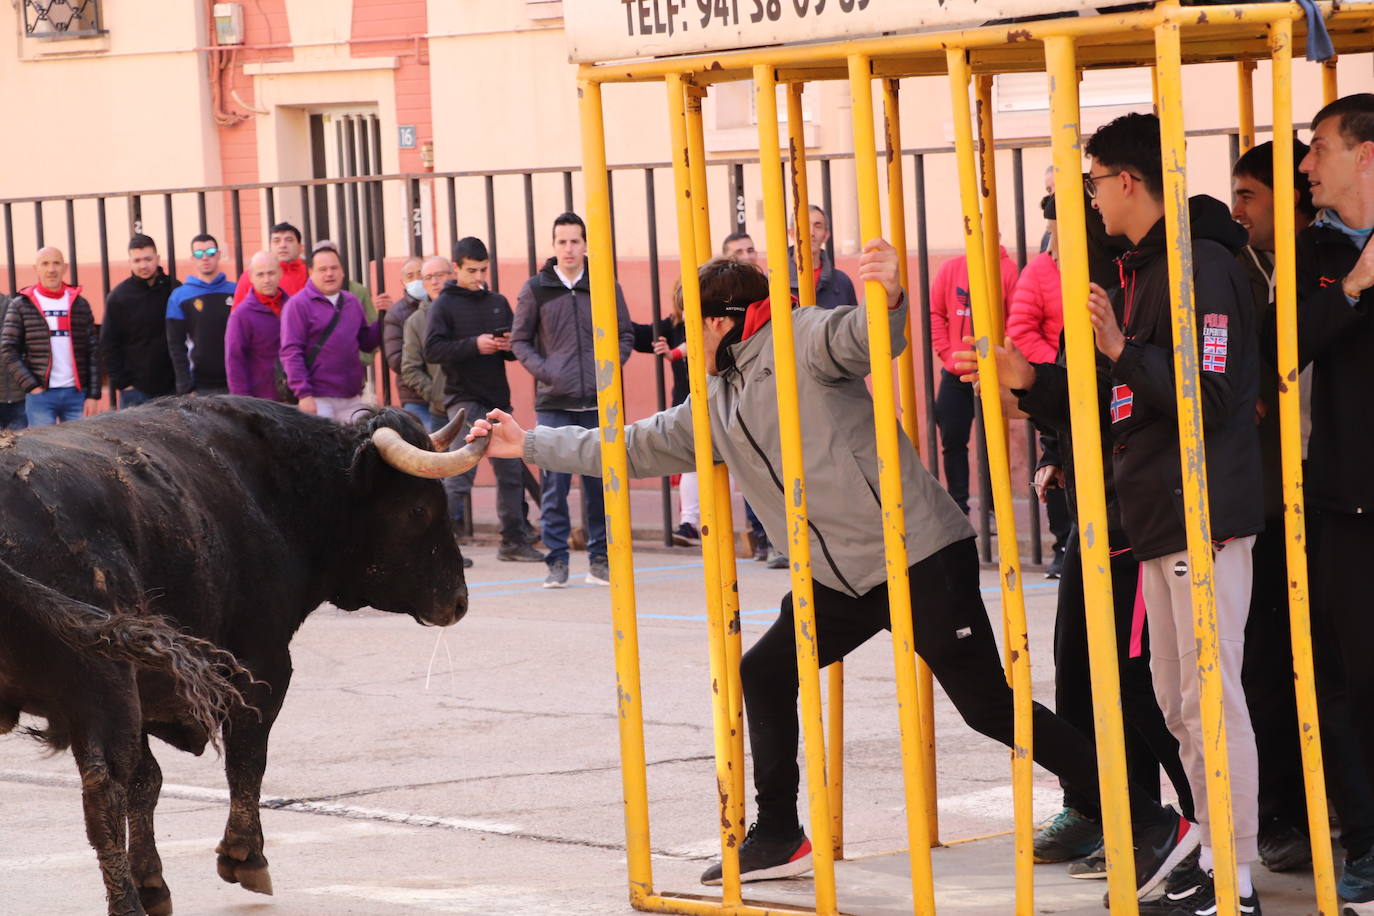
column 615, row 483
column 1290, row 441
column 890, row 494
column 994, row 424
column 1243, row 33
column 1197, row 520
column 906, row 386
column 794, row 484
column 1085, row 413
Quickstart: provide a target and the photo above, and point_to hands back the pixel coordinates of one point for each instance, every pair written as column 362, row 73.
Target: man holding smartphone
column 469, row 338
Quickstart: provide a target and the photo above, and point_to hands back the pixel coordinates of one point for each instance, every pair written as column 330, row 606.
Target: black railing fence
column 380, row 218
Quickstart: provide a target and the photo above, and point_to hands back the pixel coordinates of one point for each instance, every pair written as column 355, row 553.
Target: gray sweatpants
column 1166, row 584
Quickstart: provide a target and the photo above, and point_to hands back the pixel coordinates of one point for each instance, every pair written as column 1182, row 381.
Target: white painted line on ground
column 221, row 796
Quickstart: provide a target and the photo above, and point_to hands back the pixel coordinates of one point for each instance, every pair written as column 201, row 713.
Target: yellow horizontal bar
column 831, row 53
column 705, row 906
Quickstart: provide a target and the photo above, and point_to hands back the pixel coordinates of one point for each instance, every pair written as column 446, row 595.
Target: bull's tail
column 202, row 674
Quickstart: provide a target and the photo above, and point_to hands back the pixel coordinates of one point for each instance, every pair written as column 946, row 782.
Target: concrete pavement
column 475, row 770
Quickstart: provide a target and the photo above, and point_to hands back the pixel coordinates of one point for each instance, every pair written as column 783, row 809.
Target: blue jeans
column 554, row 501
column 13, row 416
column 132, row 397
column 422, row 411
column 54, row 405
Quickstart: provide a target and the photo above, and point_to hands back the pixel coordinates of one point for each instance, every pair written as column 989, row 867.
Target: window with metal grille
column 51, row 18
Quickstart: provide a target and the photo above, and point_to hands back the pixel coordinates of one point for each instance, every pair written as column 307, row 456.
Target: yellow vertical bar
column 1197, row 518
column 987, row 171
column 722, row 531
column 794, row 485
column 615, row 488
column 1245, row 91
column 1013, row 598
column 696, row 148
column 835, row 757
column 1330, row 87
column 906, row 386
column 1285, row 237
column 801, row 201
column 1085, row 412
column 730, row 622
column 890, row 493
column 730, row 833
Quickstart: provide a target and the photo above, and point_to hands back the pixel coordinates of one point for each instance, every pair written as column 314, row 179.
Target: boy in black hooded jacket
column 1136, row 335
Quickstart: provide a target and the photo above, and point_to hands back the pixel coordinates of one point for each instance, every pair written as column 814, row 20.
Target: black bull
column 233, row 519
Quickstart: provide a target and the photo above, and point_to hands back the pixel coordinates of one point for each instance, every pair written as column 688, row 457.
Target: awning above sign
column 603, row 30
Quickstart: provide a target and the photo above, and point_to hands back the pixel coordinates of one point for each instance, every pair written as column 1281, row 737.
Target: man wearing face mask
column 469, row 338
column 393, row 338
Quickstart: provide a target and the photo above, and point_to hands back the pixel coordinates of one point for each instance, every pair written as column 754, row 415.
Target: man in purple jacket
column 253, row 340
column 323, row 330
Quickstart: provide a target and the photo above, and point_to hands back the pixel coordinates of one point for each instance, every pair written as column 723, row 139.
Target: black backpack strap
column 313, row 353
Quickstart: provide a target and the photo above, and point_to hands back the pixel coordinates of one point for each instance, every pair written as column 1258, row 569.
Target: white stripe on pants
column 1173, row 667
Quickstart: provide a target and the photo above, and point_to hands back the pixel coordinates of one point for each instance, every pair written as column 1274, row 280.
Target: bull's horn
column 417, row 462
column 444, row 437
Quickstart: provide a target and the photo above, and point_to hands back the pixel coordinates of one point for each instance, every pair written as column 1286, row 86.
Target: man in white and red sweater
column 49, row 346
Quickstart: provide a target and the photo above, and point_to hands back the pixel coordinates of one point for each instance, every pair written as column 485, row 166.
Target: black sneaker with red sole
column 764, row 858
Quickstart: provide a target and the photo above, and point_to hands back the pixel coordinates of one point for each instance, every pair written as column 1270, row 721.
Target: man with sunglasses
column 197, row 317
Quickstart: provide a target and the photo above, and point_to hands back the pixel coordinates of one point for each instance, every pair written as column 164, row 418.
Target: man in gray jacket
column 953, row 633
column 552, row 337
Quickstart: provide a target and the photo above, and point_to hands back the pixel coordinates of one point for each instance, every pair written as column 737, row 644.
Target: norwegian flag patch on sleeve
column 1122, row 398
column 1215, row 342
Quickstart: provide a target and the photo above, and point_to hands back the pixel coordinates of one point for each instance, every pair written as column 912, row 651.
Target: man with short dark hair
column 468, row 336
column 1283, row 840
column 833, row 286
column 1126, row 183
column 953, row 632
column 284, row 241
column 49, row 346
column 197, row 318
column 133, row 337
column 1336, row 334
column 738, row 246
column 552, row 337
column 323, row 329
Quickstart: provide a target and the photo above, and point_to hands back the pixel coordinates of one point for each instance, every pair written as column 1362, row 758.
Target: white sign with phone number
column 604, row 30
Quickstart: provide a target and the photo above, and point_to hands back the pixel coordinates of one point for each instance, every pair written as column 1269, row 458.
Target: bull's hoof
column 250, row 873
column 156, row 900
column 255, row 878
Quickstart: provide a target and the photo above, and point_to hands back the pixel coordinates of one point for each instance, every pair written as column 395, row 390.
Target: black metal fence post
column 71, row 243
column 928, row 365
column 236, row 209
column 491, row 234
column 567, row 191
column 531, row 248
column 200, row 209
column 9, row 244
column 38, row 224
column 104, row 245
column 656, row 311
column 452, row 212
column 417, row 220
column 171, row 237
column 1018, row 180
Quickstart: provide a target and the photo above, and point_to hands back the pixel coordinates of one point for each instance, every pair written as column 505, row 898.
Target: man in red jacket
column 951, row 320
column 285, row 243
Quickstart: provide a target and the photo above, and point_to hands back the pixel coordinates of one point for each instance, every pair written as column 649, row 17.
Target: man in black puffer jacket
column 552, row 338
column 1126, row 183
column 133, row 339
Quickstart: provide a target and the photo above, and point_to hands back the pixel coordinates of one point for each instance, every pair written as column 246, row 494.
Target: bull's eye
column 418, row 511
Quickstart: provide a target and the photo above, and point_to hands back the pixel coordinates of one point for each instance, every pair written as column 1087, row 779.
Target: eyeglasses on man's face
column 205, row 253
column 1090, row 180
